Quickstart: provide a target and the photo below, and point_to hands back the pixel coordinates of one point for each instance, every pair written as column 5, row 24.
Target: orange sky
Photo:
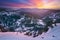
column 46, row 4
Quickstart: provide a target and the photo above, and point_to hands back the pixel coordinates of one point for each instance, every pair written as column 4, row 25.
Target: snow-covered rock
column 52, row 34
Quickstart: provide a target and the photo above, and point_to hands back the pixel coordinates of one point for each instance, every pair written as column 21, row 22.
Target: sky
column 49, row 4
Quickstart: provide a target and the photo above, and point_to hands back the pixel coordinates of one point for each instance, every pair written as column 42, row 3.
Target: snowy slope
column 52, row 34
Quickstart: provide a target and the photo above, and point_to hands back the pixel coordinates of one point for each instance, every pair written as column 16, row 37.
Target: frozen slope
column 52, row 34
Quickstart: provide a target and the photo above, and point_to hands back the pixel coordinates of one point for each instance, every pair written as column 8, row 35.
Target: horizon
column 30, row 8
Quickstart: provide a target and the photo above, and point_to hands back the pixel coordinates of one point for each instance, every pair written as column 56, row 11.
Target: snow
column 52, row 34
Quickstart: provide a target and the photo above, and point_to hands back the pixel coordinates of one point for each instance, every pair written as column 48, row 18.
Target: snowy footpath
column 52, row 34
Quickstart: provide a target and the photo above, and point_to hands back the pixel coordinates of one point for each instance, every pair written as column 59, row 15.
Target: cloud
column 31, row 3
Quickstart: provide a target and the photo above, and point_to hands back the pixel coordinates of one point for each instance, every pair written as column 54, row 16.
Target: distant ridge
column 39, row 13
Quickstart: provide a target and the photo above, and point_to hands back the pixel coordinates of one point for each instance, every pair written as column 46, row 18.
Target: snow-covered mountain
column 52, row 34
column 31, row 21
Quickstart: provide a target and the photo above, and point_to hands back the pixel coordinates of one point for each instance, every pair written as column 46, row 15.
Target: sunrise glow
column 42, row 4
